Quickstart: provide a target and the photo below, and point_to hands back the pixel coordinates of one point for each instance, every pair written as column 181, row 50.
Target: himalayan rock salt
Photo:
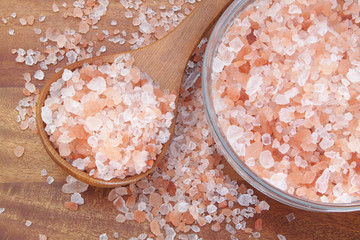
column 155, row 228
column 39, row 75
column 290, row 217
column 103, row 236
column 76, row 198
column 49, row 180
column 55, row 7
column 28, row 223
column 95, row 94
column 19, row 151
column 266, row 159
column 74, row 186
column 43, row 172
column 295, row 117
column 42, row 237
column 71, row 206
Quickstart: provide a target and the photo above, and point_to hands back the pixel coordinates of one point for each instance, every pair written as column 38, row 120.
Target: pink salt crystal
column 266, row 159
column 216, row 227
column 30, row 87
column 155, row 228
column 155, row 199
column 19, row 151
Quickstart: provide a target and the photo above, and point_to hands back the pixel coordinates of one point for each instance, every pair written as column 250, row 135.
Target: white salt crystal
column 93, row 123
column 46, row 115
column 37, row 30
column 266, row 159
column 67, row 75
column 353, row 76
column 285, row 115
column 43, row 172
column 97, row 84
column 2, row 210
column 236, row 44
column 103, row 236
column 76, row 198
column 11, row 32
column 73, row 185
column 41, row 18
column 72, row 106
column 281, row 237
column 28, row 223
column 116, row 235
column 30, row 87
column 218, row 65
column 113, row 23
column 264, row 205
column 39, row 75
column 254, row 85
column 211, row 208
column 326, row 143
column 50, row 180
column 322, row 182
column 244, row 200
column 294, row 9
column 290, row 217
column 278, row 180
column 266, row 139
column 146, row 27
column 284, row 148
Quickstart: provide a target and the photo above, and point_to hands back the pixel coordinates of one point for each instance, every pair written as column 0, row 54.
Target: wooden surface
column 26, row 195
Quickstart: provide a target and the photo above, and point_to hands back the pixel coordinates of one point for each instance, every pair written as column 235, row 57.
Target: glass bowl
column 222, row 26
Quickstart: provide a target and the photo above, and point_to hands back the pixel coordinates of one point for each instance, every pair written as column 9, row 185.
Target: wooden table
column 26, row 195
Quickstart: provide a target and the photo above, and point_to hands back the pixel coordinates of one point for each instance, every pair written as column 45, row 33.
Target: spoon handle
column 168, row 57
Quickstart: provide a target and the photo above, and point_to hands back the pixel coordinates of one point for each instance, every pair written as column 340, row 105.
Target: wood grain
column 26, row 195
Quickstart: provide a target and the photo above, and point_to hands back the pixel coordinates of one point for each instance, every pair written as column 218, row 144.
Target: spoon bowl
column 164, row 61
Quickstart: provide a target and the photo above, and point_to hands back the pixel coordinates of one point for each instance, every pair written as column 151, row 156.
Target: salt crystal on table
column 42, row 237
column 28, row 223
column 19, row 151
column 113, row 23
column 264, row 205
column 76, row 198
column 39, row 75
column 43, row 172
column 116, row 235
column 55, row 7
column 74, row 186
column 281, row 237
column 41, row 18
column 2, row 210
column 50, row 180
column 103, row 236
column 11, row 32
column 290, row 217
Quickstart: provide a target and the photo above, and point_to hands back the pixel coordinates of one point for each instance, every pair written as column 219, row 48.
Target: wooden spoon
column 165, row 62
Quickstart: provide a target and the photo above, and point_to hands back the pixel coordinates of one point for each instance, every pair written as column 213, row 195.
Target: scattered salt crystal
column 22, row 21
column 42, row 237
column 43, row 172
column 39, row 75
column 290, row 217
column 116, row 235
column 2, row 210
column 28, row 223
column 41, row 18
column 281, row 237
column 19, row 151
column 74, row 186
column 103, row 236
column 113, row 23
column 50, row 180
column 55, row 7
column 13, row 15
column 76, row 198
column 230, row 229
column 11, row 32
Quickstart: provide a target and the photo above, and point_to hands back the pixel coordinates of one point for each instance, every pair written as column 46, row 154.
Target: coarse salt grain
column 28, row 223
column 19, row 151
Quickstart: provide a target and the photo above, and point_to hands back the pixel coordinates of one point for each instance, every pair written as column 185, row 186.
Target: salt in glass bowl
column 219, row 31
